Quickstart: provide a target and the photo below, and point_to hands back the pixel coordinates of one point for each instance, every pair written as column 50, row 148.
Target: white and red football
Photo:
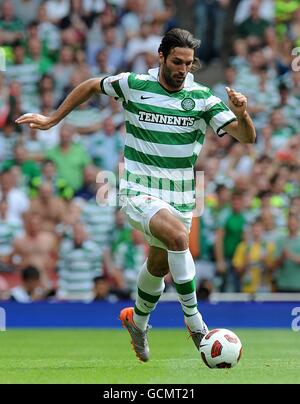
column 221, row 348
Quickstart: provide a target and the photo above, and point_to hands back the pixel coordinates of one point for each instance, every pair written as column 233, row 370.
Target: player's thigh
column 157, row 263
column 167, row 228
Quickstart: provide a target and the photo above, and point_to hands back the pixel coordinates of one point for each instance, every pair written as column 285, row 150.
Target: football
column 221, row 348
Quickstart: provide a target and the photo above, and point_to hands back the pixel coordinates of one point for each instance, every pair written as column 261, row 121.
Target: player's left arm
column 243, row 129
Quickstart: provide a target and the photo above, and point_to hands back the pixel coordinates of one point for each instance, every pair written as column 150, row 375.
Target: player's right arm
column 80, row 94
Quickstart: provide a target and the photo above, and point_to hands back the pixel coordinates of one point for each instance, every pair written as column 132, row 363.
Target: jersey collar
column 189, row 80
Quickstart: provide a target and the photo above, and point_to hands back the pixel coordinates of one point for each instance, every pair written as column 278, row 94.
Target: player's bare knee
column 159, row 272
column 178, row 241
column 158, row 268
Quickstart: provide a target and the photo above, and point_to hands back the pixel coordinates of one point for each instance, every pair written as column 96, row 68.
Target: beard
column 173, row 80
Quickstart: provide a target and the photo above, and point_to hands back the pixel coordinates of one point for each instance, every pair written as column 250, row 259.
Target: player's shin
column 150, row 288
column 183, row 271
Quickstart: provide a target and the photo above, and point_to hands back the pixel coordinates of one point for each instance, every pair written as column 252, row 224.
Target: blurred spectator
column 69, row 158
column 129, row 257
column 282, row 131
column 266, row 10
column 295, row 84
column 210, row 17
column 284, row 11
column 8, row 140
column 115, row 111
column 104, row 291
column 215, row 207
column 86, row 119
column 107, row 18
column 28, row 168
column 80, row 262
column 271, row 232
column 106, row 147
column 135, row 13
column 8, row 232
column 114, row 48
column 50, row 209
column 63, row 70
column 26, row 73
column 251, row 77
column 11, row 28
column 102, row 66
column 36, row 55
column 48, row 32
column 279, row 199
column 88, row 189
column 81, row 61
column 204, row 290
column 253, row 261
column 121, row 231
column 57, row 10
column 30, row 289
column 240, row 51
column 254, row 25
column 295, row 205
column 71, row 217
column 17, row 200
column 75, row 18
column 101, row 288
column 4, row 101
column 59, row 185
column 33, row 146
column 46, row 84
column 137, row 46
column 219, row 89
column 36, row 248
column 26, row 10
column 288, row 105
column 4, row 289
column 50, row 138
column 99, row 221
column 16, row 98
column 238, row 161
column 228, row 236
column 96, row 6
column 284, row 57
column 287, row 274
column 262, row 102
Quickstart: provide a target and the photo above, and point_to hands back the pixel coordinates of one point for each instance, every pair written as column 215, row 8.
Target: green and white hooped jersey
column 165, row 132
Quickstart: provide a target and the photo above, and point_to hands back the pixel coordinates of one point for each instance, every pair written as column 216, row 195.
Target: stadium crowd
column 57, row 241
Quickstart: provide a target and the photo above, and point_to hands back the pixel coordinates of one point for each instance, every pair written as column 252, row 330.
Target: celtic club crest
column 188, row 104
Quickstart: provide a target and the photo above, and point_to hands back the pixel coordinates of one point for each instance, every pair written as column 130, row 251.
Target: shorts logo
column 188, row 104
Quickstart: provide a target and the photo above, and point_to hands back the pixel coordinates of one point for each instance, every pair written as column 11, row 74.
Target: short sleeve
column 217, row 115
column 115, row 86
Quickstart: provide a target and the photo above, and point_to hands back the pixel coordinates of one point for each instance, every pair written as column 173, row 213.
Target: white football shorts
column 140, row 210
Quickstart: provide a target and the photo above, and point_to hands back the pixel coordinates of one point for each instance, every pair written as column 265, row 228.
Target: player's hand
column 237, row 102
column 36, row 121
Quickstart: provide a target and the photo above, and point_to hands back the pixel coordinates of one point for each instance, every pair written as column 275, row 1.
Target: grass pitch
column 105, row 356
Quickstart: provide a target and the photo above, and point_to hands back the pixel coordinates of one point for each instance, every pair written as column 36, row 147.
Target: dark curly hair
column 180, row 38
